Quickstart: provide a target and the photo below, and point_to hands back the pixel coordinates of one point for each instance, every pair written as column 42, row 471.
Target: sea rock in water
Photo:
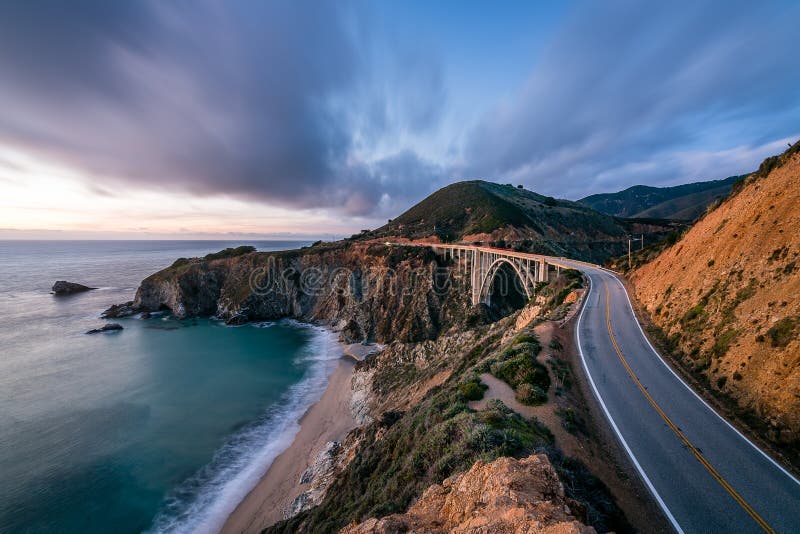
column 62, row 287
column 108, row 327
column 120, row 310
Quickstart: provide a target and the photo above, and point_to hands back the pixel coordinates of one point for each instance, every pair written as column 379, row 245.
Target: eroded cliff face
column 367, row 291
column 521, row 496
column 727, row 295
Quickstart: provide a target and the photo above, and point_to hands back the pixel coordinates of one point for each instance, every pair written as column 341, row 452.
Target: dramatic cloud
column 628, row 91
column 260, row 100
column 360, row 109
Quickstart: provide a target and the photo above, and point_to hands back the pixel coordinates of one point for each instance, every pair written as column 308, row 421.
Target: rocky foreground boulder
column 62, row 287
column 506, row 496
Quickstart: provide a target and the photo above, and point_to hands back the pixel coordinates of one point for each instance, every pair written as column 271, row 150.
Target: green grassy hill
column 510, row 216
column 683, row 202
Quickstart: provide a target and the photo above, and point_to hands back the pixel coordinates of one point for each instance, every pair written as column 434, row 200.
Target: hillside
column 725, row 296
column 683, row 202
column 488, row 212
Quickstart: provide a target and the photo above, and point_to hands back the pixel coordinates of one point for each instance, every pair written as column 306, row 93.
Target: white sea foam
column 203, row 502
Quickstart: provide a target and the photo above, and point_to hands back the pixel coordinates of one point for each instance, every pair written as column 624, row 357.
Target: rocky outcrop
column 400, row 375
column 108, row 327
column 62, row 287
column 120, row 310
column 365, row 291
column 506, row 496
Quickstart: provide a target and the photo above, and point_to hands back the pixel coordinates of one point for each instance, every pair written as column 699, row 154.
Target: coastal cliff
column 366, row 291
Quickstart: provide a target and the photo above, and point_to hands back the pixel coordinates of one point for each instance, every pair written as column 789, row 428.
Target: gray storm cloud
column 287, row 101
column 248, row 99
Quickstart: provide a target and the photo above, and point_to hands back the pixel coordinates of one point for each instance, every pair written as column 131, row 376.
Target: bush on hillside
column 472, row 390
column 230, row 252
column 782, row 332
column 519, row 369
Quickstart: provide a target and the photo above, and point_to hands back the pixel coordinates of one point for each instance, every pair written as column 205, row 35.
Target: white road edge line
column 671, row 370
column 628, row 450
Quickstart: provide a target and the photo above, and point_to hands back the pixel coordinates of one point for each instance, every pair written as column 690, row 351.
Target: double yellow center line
column 724, row 483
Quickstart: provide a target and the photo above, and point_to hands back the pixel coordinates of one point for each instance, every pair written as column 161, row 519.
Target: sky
column 203, row 118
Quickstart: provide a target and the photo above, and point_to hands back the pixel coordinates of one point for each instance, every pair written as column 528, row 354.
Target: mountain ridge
column 681, row 202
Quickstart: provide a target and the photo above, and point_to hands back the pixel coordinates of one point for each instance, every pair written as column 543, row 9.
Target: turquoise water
column 163, row 426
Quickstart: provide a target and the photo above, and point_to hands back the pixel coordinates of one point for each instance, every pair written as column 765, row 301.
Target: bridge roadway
column 704, row 474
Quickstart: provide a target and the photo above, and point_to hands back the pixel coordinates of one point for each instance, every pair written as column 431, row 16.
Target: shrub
column 525, row 338
column 530, row 395
column 782, row 332
column 671, row 238
column 724, row 341
column 571, row 421
column 472, row 390
column 573, row 275
column 693, row 313
column 523, row 370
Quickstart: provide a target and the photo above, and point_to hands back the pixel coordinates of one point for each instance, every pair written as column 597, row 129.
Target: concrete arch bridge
column 487, row 266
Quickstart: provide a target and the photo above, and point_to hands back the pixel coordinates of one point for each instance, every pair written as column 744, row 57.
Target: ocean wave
column 203, row 502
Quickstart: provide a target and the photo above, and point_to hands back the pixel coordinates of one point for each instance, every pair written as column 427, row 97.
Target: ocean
column 161, row 427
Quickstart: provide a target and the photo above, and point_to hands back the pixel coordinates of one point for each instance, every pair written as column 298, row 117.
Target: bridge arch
column 481, row 265
column 497, row 273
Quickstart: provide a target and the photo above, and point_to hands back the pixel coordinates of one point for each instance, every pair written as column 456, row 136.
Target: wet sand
column 328, row 420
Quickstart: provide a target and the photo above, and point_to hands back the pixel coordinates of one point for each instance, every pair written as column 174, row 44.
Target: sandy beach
column 328, row 420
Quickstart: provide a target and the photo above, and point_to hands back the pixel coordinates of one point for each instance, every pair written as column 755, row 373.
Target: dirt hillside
column 727, row 295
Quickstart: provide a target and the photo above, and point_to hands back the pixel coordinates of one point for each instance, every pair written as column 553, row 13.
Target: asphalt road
column 704, row 474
